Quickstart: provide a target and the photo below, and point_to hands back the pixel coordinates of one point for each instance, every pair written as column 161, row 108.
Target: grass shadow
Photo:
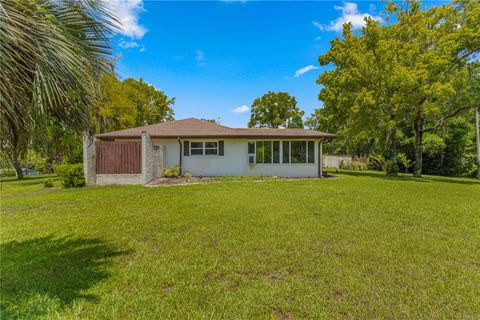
column 424, row 179
column 42, row 275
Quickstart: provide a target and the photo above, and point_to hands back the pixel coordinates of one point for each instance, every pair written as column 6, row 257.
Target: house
column 202, row 148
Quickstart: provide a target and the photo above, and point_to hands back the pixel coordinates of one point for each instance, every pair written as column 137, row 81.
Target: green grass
column 359, row 246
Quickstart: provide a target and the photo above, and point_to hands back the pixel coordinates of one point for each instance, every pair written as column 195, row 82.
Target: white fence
column 334, row 161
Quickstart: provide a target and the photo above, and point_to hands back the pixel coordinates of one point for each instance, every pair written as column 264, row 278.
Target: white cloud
column 351, row 14
column 304, row 70
column 241, row 109
column 127, row 12
column 128, row 44
column 200, row 56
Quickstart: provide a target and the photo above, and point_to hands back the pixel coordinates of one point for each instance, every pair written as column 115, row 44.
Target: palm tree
column 51, row 53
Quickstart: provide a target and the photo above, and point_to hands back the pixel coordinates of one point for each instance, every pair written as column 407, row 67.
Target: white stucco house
column 202, row 148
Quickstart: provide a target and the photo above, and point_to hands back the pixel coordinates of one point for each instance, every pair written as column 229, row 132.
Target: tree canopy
column 394, row 82
column 274, row 110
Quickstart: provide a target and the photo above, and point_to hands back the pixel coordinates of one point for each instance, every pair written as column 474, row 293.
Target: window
column 211, row 148
column 291, row 152
column 196, row 148
column 204, row 148
column 276, row 152
column 251, row 152
column 311, row 152
column 259, row 151
column 299, row 151
column 251, row 148
column 286, row 151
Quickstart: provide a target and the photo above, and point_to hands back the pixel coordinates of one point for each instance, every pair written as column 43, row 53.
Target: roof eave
column 325, row 137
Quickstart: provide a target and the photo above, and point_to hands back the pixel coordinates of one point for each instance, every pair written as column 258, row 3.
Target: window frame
column 281, row 150
column 204, row 148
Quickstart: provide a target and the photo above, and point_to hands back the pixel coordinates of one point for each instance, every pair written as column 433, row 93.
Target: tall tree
column 435, row 53
column 400, row 77
column 52, row 51
column 114, row 109
column 152, row 105
column 274, row 110
column 359, row 94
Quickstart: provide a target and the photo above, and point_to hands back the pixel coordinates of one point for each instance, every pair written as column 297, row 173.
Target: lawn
column 357, row 246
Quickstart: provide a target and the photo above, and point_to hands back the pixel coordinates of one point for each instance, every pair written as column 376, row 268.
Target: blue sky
column 217, row 57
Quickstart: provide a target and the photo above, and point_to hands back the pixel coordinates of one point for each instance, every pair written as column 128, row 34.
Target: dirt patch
column 163, row 182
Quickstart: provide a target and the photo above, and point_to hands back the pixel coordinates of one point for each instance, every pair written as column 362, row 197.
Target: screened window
column 204, row 148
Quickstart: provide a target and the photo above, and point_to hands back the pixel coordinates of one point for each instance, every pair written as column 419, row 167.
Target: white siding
column 234, row 162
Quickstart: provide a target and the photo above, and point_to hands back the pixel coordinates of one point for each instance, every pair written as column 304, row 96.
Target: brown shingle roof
column 195, row 128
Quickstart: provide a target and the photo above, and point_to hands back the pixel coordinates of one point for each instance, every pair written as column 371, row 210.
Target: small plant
column 378, row 162
column 71, row 175
column 404, row 161
column 187, row 175
column 392, row 168
column 173, row 172
column 48, row 183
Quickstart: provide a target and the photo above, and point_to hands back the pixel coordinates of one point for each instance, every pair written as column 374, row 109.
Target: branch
column 441, row 120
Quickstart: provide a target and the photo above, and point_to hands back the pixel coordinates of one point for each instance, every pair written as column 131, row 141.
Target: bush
column 173, row 172
column 48, row 183
column 187, row 175
column 353, row 165
column 71, row 175
column 7, row 173
column 392, row 168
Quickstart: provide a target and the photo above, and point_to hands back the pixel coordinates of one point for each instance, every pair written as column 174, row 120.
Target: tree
column 52, row 53
column 394, row 80
column 274, row 110
column 114, row 109
column 129, row 103
column 359, row 95
column 435, row 53
column 151, row 104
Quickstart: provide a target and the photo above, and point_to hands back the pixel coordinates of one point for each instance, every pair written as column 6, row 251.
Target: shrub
column 378, row 162
column 187, row 175
column 48, row 183
column 173, row 172
column 353, row 165
column 392, row 168
column 71, row 175
column 7, row 173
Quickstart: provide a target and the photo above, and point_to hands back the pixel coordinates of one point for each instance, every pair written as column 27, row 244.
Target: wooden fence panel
column 118, row 157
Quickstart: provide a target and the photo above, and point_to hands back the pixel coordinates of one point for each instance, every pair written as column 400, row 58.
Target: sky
column 216, row 57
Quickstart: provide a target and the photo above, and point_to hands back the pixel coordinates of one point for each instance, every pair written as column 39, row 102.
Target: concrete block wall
column 153, row 162
column 89, row 155
column 153, row 159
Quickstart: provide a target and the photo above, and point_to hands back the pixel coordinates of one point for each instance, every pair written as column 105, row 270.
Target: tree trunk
column 18, row 170
column 477, row 122
column 393, row 169
column 418, row 127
